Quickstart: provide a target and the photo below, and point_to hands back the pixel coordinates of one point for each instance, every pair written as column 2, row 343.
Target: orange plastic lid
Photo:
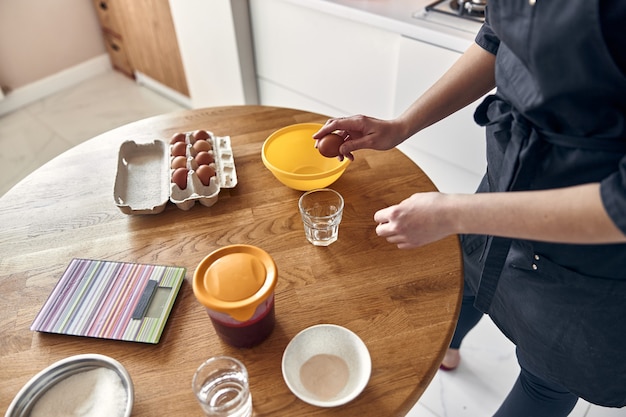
column 234, row 280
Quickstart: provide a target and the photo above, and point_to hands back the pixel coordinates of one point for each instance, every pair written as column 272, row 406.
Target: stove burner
column 472, row 7
column 467, row 9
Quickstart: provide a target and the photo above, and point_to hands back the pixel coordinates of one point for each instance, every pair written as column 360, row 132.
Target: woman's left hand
column 414, row 222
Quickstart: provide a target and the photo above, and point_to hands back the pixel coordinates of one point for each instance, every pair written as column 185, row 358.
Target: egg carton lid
column 142, row 182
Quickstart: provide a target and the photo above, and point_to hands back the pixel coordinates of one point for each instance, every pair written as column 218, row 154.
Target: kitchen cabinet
column 319, row 62
column 152, row 42
column 111, row 26
column 140, row 37
column 457, row 141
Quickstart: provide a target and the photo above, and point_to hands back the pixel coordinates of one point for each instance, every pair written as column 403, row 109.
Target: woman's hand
column 359, row 132
column 573, row 215
column 414, row 222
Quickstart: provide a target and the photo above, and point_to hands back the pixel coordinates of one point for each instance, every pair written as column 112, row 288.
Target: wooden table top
column 402, row 303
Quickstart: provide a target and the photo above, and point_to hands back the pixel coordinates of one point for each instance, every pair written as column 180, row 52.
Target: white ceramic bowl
column 27, row 397
column 316, row 361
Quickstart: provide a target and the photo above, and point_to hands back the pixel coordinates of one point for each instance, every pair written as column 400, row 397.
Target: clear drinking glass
column 221, row 387
column 321, row 211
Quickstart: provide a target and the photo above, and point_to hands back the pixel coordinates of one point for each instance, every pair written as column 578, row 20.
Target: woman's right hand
column 360, row 132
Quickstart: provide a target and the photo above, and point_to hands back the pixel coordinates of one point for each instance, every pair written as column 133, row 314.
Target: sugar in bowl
column 236, row 285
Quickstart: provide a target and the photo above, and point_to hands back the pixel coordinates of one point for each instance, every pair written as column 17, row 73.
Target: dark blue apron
column 558, row 119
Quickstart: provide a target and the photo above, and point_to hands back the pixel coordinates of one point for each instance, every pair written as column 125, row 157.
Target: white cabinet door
column 457, row 140
column 338, row 63
column 275, row 95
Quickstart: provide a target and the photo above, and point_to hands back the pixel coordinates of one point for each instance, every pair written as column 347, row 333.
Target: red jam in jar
column 248, row 334
column 236, row 285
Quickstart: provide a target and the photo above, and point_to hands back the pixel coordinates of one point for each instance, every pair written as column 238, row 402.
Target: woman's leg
column 468, row 318
column 469, row 315
column 533, row 396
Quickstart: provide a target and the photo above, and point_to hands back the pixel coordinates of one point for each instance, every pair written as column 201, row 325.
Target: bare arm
column 471, row 77
column 566, row 215
column 468, row 79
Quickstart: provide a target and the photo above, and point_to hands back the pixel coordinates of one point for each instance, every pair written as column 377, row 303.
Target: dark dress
column 558, row 118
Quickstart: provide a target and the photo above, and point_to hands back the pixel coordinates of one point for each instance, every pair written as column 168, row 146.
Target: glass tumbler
column 321, row 211
column 221, row 387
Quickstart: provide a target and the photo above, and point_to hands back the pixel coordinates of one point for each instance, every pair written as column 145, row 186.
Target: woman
column 544, row 238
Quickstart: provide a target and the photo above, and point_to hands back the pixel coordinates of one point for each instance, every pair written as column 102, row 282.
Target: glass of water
column 221, row 387
column 321, row 211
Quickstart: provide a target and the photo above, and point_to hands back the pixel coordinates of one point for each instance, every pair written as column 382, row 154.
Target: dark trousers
column 531, row 395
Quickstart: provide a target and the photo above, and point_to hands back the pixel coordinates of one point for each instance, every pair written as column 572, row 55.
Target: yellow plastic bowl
column 290, row 154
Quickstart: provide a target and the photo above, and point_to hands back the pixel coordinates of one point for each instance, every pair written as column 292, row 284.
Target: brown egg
column 178, row 137
column 201, row 134
column 329, row 145
column 205, row 172
column 179, row 177
column 179, row 149
column 179, row 162
column 204, row 158
column 202, row 145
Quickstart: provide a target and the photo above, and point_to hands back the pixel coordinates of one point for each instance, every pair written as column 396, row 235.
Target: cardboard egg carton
column 143, row 184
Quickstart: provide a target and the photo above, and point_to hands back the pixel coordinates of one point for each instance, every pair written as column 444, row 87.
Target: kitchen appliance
column 466, row 15
column 467, row 9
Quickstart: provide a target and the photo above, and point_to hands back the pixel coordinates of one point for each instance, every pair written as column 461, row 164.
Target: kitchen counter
column 397, row 16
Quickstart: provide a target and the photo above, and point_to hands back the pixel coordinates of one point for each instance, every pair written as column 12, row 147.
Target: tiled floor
column 32, row 135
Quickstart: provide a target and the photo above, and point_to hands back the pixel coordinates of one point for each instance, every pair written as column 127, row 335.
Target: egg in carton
column 144, row 181
column 209, row 167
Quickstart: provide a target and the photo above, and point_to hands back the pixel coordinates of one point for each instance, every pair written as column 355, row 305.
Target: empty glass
column 321, row 211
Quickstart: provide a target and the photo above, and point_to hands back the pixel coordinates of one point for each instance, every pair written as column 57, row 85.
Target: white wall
column 41, row 38
column 216, row 48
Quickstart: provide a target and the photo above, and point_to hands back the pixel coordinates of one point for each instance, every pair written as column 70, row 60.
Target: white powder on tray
column 95, row 393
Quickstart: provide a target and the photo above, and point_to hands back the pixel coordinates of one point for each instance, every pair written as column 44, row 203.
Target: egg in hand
column 329, row 145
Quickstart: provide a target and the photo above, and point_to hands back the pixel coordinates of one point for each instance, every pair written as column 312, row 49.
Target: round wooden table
column 402, row 303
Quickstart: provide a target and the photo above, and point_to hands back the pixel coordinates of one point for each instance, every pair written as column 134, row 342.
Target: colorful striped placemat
column 111, row 300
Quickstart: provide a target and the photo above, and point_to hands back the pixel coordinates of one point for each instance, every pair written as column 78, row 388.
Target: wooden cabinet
column 152, row 42
column 112, row 32
column 141, row 37
column 117, row 53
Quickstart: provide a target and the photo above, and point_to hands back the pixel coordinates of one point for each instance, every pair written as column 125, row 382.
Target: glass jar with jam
column 236, row 285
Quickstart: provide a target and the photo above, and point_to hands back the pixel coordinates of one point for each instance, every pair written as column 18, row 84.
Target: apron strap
column 519, row 163
column 494, row 263
column 595, row 144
